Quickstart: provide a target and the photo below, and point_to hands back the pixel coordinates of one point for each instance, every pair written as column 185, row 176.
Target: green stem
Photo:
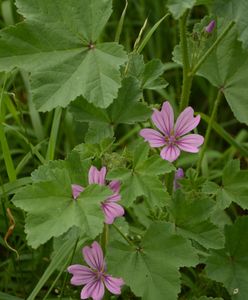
column 211, row 49
column 123, row 235
column 209, row 128
column 127, row 136
column 169, row 181
column 104, row 237
column 187, row 78
column 54, row 134
column 4, row 143
column 225, row 135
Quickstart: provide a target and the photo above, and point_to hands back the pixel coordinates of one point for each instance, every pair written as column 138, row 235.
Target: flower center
column 99, row 274
column 170, row 139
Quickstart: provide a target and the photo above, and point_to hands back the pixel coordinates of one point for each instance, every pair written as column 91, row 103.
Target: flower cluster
column 94, row 277
column 110, row 208
column 173, row 138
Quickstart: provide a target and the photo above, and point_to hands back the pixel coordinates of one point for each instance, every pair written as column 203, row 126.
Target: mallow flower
column 110, row 208
column 94, row 277
column 173, row 137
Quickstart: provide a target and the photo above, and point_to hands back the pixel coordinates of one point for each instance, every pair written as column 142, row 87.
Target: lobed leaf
column 51, row 210
column 230, row 265
column 152, row 269
column 57, row 44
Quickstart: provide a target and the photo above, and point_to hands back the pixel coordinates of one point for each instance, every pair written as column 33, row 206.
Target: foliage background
column 29, row 135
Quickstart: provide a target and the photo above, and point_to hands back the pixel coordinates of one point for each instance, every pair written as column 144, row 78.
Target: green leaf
column 154, row 165
column 140, row 154
column 126, row 109
column 151, row 77
column 230, row 265
column 77, row 168
column 234, row 186
column 152, row 268
column 142, row 178
column 51, row 210
column 93, row 73
column 98, row 132
column 149, row 74
column 178, row 7
column 237, row 11
column 135, row 66
column 87, row 22
column 198, row 227
column 57, row 44
column 226, row 68
column 84, row 111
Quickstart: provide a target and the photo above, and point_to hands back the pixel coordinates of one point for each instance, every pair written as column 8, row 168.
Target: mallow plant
column 152, row 202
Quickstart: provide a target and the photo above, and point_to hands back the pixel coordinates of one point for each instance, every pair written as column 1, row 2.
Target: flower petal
column 76, row 190
column 170, row 153
column 81, row 274
column 112, row 211
column 98, row 291
column 114, row 198
column 115, row 186
column 94, row 256
column 190, row 142
column 94, row 289
column 152, row 136
column 102, row 175
column 113, row 284
column 164, row 119
column 97, row 177
column 186, row 122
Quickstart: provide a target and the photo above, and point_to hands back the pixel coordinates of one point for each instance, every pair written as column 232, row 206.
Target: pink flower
column 172, row 137
column 110, row 208
column 94, row 277
column 210, row 27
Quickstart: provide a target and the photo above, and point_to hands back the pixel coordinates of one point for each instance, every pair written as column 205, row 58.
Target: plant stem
column 54, row 134
column 123, row 235
column 104, row 237
column 211, row 49
column 127, row 136
column 225, row 135
column 209, row 128
column 187, row 78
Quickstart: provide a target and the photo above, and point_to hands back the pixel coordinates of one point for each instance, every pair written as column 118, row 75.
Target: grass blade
column 120, row 24
column 5, row 147
column 33, row 113
column 150, row 33
column 54, row 134
column 58, row 258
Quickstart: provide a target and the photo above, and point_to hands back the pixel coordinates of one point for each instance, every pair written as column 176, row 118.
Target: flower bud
column 210, row 27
